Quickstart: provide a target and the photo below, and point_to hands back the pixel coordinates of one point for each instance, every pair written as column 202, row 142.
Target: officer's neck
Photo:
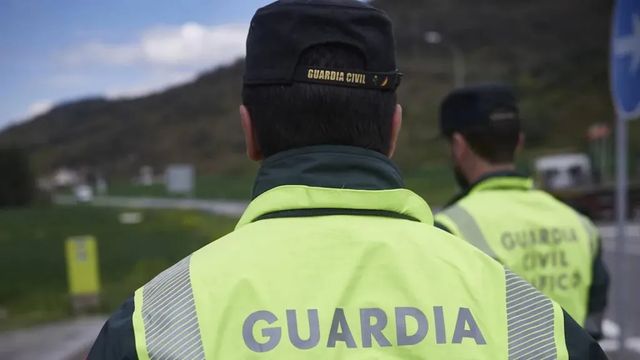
column 481, row 169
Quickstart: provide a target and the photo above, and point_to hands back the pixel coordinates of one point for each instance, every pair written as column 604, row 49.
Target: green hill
column 554, row 52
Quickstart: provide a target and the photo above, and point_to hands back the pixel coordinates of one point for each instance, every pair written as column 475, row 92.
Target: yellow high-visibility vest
column 320, row 273
column 531, row 233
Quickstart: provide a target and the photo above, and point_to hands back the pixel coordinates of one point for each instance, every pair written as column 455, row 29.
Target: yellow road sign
column 82, row 265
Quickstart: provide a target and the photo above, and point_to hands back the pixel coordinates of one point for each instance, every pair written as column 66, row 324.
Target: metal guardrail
column 219, row 207
column 609, row 236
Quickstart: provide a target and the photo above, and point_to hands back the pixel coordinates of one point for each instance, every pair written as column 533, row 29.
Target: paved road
column 58, row 341
column 628, row 280
column 218, row 207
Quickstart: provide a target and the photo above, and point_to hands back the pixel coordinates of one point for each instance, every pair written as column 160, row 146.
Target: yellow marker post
column 82, row 271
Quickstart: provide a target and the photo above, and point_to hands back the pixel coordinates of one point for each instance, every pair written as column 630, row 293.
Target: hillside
column 196, row 121
column 554, row 52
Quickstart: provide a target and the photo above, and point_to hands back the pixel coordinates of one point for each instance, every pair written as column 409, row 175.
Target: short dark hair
column 286, row 117
column 496, row 143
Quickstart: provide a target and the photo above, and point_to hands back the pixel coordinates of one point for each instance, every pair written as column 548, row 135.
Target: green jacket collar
column 328, row 166
column 508, row 181
column 501, row 180
column 333, row 178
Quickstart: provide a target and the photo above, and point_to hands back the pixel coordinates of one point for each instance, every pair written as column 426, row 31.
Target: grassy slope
column 32, row 265
column 232, row 187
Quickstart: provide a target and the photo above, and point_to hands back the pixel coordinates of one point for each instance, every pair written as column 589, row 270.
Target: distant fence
column 218, row 207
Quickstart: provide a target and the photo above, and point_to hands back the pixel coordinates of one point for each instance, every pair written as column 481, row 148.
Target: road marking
column 609, row 345
column 611, row 332
column 633, row 344
column 610, row 329
column 612, row 345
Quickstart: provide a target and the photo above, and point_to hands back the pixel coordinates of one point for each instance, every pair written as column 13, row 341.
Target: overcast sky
column 53, row 51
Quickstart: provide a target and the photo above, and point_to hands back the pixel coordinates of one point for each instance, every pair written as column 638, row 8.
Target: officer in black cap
column 333, row 258
column 485, row 114
column 501, row 213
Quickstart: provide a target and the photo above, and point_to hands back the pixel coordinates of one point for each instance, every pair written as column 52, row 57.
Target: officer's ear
column 459, row 147
column 396, row 125
column 251, row 142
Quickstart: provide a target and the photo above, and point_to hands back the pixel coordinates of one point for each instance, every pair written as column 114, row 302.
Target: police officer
column 333, row 257
column 502, row 214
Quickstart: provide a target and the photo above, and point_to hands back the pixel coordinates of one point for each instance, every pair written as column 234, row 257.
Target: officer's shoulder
column 469, row 199
column 449, row 243
column 565, row 207
column 182, row 266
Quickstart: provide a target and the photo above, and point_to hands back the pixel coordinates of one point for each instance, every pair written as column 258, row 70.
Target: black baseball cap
column 282, row 31
column 480, row 107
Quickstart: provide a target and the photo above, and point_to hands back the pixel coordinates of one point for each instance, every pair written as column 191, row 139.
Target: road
column 631, row 263
column 67, row 340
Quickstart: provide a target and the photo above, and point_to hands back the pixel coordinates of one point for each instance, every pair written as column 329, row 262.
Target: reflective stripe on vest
column 530, row 321
column 469, row 229
column 169, row 315
column 171, row 328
